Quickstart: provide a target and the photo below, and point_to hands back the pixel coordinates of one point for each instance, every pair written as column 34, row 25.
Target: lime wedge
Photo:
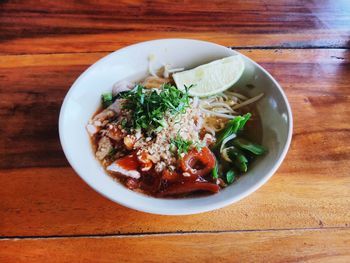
column 211, row 78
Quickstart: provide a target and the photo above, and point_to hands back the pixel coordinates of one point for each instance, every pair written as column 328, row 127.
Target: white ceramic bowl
column 83, row 99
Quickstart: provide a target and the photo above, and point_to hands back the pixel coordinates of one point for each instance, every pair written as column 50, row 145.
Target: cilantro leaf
column 230, row 176
column 215, row 171
column 232, row 127
column 148, row 107
column 107, row 99
column 181, row 145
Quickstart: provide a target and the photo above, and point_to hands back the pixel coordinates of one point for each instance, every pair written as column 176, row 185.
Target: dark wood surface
column 47, row 213
column 87, row 26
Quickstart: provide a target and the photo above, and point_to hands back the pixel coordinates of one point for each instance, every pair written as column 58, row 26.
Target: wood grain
column 313, row 182
column 34, row 87
column 47, row 213
column 90, row 26
column 55, row 202
column 264, row 246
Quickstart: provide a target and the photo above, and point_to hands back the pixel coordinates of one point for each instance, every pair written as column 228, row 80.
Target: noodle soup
column 159, row 140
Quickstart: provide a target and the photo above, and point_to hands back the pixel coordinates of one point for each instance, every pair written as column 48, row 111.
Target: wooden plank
column 108, row 42
column 312, row 56
column 59, row 26
column 266, row 246
column 54, row 201
column 47, row 201
column 33, row 85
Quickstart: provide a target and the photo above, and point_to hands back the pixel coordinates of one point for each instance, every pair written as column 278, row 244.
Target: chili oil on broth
column 253, row 129
column 150, row 181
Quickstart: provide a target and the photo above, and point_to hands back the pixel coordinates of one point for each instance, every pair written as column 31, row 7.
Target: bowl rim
column 193, row 210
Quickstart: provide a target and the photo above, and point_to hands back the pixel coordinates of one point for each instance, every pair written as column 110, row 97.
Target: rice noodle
column 224, row 96
column 226, row 140
column 224, row 106
column 151, row 58
column 226, row 116
column 221, row 110
column 235, row 94
column 221, row 104
column 225, row 156
column 249, row 101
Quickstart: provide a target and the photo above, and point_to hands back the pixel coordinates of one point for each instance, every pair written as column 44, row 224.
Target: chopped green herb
column 215, row 171
column 246, row 117
column 112, row 152
column 238, row 159
column 199, row 145
column 181, row 145
column 233, row 126
column 107, row 99
column 249, row 146
column 148, row 107
column 123, row 123
column 230, row 176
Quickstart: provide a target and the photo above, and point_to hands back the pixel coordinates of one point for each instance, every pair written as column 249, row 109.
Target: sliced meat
column 126, row 166
column 122, row 86
column 154, row 82
column 100, row 120
column 116, row 106
column 114, row 133
column 103, row 117
column 104, row 148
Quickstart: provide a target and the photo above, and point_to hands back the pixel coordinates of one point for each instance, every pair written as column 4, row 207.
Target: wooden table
column 48, row 214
